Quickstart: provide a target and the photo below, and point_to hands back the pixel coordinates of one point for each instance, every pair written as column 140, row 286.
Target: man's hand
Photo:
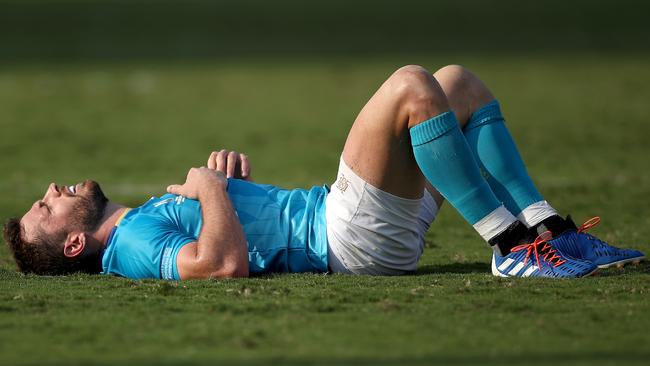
column 221, row 249
column 230, row 163
column 198, row 181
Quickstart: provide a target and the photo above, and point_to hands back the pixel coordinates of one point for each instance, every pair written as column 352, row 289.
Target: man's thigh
column 378, row 147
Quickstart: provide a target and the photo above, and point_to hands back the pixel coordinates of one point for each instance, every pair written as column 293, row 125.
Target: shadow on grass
column 481, row 267
column 456, row 267
column 6, row 274
column 642, row 268
column 555, row 358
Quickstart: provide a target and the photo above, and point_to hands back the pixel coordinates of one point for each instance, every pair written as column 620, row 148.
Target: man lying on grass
column 419, row 134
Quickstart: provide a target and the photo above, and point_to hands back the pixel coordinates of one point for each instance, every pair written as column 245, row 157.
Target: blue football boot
column 540, row 259
column 575, row 242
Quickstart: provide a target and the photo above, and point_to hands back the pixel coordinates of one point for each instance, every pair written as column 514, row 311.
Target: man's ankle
column 555, row 224
column 513, row 235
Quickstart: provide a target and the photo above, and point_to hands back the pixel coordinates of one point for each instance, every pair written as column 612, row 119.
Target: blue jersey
column 285, row 230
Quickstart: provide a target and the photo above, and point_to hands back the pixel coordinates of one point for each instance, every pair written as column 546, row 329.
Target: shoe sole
column 622, row 263
column 496, row 272
column 592, row 273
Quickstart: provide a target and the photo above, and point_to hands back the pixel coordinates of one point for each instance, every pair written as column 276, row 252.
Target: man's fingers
column 245, row 166
column 231, row 163
column 212, row 160
column 233, row 156
column 221, row 160
column 174, row 189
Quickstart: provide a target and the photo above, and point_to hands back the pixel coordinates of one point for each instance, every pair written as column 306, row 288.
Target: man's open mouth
column 71, row 189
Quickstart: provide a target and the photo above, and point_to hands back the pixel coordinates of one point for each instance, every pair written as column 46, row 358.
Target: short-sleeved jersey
column 285, row 231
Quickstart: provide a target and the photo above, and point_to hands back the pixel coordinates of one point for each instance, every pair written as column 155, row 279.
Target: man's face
column 65, row 208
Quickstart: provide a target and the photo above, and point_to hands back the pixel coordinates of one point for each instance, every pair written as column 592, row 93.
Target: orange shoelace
column 547, row 251
column 589, row 224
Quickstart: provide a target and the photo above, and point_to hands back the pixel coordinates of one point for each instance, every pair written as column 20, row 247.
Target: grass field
column 580, row 120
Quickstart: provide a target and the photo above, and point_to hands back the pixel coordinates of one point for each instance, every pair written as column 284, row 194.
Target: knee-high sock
column 501, row 165
column 443, row 155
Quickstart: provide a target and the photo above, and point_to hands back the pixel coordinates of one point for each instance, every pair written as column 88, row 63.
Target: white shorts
column 374, row 232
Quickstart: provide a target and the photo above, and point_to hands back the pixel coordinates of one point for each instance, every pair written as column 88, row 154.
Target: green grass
column 581, row 123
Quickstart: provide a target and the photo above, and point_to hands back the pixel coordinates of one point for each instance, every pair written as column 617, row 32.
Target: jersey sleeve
column 172, row 244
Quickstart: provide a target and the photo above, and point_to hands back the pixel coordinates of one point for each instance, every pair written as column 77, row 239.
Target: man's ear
column 74, row 244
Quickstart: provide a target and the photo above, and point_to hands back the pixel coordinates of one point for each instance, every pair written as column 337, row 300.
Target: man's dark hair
column 44, row 255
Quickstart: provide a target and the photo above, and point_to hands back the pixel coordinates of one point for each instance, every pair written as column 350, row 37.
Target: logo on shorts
column 342, row 183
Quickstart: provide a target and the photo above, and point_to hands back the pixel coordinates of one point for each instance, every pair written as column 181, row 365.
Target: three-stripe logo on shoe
column 517, row 268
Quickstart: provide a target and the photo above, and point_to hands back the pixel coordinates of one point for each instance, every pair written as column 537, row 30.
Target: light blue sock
column 499, row 160
column 444, row 157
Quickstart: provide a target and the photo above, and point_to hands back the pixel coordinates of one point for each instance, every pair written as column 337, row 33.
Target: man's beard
column 89, row 210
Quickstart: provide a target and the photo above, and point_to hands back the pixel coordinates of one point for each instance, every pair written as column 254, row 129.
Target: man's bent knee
column 465, row 92
column 456, row 72
column 419, row 94
column 412, row 81
column 411, row 71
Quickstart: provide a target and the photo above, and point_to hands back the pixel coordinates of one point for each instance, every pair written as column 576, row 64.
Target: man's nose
column 52, row 192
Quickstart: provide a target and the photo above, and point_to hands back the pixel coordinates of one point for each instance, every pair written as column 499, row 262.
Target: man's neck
column 112, row 213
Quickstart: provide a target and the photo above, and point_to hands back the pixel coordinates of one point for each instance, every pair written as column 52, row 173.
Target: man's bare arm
column 221, row 250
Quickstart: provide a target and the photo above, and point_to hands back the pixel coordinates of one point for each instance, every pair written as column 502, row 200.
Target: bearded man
column 421, row 137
